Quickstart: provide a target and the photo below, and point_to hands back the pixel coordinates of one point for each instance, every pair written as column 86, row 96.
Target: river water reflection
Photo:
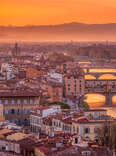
column 98, row 101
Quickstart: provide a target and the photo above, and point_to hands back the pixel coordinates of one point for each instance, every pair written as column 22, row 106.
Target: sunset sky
column 45, row 12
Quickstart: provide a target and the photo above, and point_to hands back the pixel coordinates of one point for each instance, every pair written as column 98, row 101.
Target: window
column 96, row 114
column 5, row 111
column 18, row 112
column 9, row 111
column 0, row 101
column 86, row 153
column 77, row 130
column 28, row 111
column 19, row 101
column 31, row 101
column 25, row 101
column 54, row 123
column 96, row 130
column 12, row 101
column 76, row 140
column 87, row 130
column 6, row 102
column 63, row 127
column 12, row 111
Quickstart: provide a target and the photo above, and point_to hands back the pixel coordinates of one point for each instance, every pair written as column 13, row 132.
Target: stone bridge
column 103, row 71
column 105, row 87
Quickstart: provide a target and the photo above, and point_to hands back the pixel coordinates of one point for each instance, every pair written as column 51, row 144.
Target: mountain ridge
column 66, row 31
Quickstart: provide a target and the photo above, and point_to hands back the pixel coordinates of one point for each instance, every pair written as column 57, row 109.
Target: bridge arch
column 114, row 99
column 90, row 77
column 95, row 99
column 107, row 76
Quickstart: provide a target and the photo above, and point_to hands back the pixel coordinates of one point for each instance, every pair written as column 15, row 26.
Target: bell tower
column 16, row 53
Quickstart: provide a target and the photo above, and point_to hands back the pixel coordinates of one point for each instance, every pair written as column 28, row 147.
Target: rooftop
column 96, row 110
column 18, row 136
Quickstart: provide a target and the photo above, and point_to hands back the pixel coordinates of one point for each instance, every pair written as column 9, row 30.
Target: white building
column 45, row 111
column 37, row 117
column 7, row 70
column 56, row 76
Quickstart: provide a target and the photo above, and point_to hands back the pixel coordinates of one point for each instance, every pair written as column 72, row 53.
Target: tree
column 85, row 106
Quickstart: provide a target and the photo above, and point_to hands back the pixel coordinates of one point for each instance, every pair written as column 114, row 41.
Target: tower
column 16, row 54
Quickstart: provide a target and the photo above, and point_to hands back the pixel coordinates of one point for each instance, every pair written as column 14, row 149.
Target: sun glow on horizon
column 37, row 12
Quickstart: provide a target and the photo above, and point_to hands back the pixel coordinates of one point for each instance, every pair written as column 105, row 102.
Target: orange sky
column 38, row 12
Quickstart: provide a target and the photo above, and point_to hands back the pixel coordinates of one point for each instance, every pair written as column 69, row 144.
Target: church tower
column 16, row 54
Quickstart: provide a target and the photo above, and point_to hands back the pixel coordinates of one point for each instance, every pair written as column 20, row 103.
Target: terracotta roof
column 95, row 110
column 86, row 121
column 19, row 92
column 44, row 149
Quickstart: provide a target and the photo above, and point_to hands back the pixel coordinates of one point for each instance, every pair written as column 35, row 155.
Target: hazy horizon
column 64, row 32
column 73, row 22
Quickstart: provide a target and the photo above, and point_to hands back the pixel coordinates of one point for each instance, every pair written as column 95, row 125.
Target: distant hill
column 67, row 32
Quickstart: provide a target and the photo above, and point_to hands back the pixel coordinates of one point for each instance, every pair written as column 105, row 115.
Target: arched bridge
column 97, row 73
column 106, row 87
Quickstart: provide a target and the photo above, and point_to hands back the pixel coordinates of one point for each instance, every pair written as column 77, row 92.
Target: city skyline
column 53, row 12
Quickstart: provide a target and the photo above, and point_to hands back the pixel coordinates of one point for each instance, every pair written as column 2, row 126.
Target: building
column 34, row 71
column 65, row 67
column 55, row 91
column 16, row 53
column 17, row 104
column 14, row 143
column 62, row 145
column 21, row 74
column 38, row 117
column 87, row 129
column 74, row 84
column 71, row 122
column 7, row 71
column 96, row 114
column 2, row 118
column 56, row 76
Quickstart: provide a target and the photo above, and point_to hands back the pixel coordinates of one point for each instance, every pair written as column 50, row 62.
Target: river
column 98, row 100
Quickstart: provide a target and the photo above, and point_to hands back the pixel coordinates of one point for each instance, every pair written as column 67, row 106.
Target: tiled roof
column 19, row 92
column 95, row 110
